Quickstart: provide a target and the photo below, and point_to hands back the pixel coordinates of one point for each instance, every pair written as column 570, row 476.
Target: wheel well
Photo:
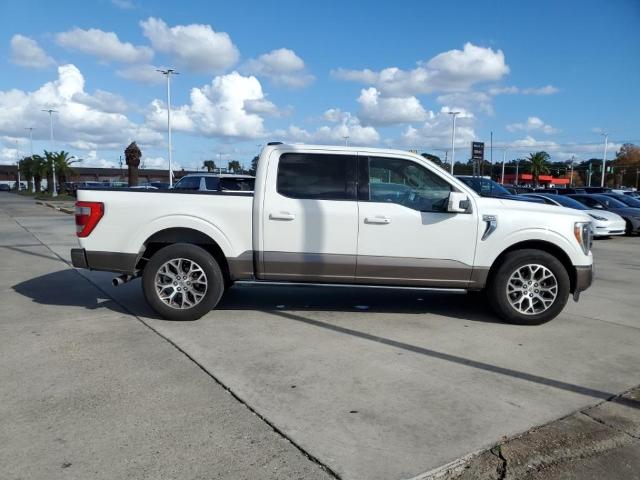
column 170, row 236
column 539, row 245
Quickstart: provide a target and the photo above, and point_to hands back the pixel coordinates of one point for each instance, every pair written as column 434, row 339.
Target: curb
column 59, row 209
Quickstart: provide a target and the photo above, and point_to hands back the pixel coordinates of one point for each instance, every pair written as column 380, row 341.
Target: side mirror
column 458, row 203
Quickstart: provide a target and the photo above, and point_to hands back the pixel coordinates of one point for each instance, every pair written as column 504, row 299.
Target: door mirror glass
column 458, row 203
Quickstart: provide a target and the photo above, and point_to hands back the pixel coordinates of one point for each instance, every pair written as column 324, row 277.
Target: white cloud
column 218, row 109
column 532, row 124
column 547, row 90
column 471, row 100
column 282, row 67
column 435, row 132
column 144, row 73
column 26, row 52
column 196, row 47
column 104, row 45
column 101, row 100
column 449, row 71
column 346, row 126
column 123, row 4
column 80, row 117
column 379, row 110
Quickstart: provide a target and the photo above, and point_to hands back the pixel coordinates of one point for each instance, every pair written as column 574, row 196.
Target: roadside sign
column 477, row 150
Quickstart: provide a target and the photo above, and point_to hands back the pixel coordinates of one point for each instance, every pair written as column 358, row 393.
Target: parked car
column 626, row 199
column 596, row 189
column 517, row 190
column 160, row 185
column 604, row 223
column 604, row 202
column 560, row 191
column 337, row 215
column 214, row 182
column 4, row 187
column 488, row 188
column 144, row 187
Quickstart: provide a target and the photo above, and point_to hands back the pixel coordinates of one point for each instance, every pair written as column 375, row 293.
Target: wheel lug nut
column 178, row 288
column 536, row 291
column 175, row 283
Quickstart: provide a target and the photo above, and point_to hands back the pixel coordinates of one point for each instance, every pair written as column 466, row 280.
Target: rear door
column 310, row 218
column 406, row 236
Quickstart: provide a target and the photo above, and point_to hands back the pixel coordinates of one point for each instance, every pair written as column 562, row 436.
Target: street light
column 33, row 183
column 18, row 164
column 453, row 139
column 54, row 193
column 504, row 159
column 168, row 72
column 604, row 158
column 346, row 140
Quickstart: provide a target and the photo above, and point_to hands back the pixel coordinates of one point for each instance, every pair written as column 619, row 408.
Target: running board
column 348, row 285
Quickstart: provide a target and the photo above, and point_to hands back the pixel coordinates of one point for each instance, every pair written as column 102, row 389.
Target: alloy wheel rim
column 181, row 283
column 532, row 289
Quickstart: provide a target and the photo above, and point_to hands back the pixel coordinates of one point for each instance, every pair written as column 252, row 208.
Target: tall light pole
column 453, row 139
column 604, row 158
column 504, row 159
column 54, row 192
column 168, row 72
column 571, row 177
column 346, row 140
column 18, row 164
column 33, row 183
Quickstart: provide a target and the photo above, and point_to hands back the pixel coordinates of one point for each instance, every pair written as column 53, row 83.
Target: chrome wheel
column 181, row 283
column 532, row 289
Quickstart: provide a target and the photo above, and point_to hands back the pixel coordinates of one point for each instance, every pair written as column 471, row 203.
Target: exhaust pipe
column 120, row 279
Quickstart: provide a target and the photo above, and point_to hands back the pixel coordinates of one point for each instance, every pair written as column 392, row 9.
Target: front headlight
column 597, row 217
column 582, row 232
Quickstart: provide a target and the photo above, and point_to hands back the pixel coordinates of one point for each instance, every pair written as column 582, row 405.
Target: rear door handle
column 378, row 220
column 282, row 216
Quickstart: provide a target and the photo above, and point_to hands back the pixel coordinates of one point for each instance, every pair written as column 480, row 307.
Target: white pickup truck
column 337, row 215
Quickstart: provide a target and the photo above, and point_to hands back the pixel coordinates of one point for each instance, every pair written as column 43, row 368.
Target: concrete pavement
column 373, row 383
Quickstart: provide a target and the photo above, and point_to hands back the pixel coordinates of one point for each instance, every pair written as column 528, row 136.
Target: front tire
column 530, row 287
column 182, row 282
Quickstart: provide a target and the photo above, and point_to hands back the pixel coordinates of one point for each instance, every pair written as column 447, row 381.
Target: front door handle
column 282, row 216
column 378, row 220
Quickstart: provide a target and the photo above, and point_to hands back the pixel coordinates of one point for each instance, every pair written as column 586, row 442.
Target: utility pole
column 504, row 159
column 168, row 72
column 54, row 192
column 571, row 177
column 346, row 140
column 590, row 173
column 18, row 164
column 604, row 158
column 453, row 139
column 517, row 167
column 33, row 183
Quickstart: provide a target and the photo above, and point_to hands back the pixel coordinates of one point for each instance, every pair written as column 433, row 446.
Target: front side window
column 317, row 176
column 394, row 180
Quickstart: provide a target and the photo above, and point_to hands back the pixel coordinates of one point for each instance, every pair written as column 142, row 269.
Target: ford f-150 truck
column 337, row 215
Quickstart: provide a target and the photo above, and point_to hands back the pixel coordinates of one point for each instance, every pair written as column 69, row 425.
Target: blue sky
column 541, row 75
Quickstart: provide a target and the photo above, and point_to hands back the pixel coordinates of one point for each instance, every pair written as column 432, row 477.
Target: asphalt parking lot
column 297, row 382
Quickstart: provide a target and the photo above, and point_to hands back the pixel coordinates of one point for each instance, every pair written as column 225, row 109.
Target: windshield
column 627, row 200
column 569, row 202
column 486, row 187
column 610, row 202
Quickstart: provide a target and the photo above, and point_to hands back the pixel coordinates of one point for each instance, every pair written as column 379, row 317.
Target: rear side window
column 211, row 183
column 317, row 176
column 237, row 184
column 188, row 183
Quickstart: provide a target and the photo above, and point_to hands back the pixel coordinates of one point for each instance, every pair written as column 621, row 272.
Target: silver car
column 216, row 182
column 604, row 223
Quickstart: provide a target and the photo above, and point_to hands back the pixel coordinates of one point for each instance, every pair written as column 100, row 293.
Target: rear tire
column 182, row 282
column 530, row 287
column 628, row 230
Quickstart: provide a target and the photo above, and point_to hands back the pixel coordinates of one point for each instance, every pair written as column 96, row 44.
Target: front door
column 406, row 236
column 310, row 218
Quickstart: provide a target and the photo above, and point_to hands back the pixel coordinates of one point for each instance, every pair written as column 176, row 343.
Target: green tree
column 234, row 166
column 209, row 165
column 254, row 165
column 539, row 165
column 63, row 161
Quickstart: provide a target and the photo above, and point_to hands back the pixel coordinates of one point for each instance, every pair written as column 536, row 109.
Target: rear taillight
column 88, row 214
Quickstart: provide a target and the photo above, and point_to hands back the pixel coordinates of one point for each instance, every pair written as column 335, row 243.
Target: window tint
column 212, row 183
column 188, row 183
column 317, row 176
column 237, row 184
column 407, row 183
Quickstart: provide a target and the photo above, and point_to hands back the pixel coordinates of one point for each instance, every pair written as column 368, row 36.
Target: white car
column 604, row 223
column 340, row 216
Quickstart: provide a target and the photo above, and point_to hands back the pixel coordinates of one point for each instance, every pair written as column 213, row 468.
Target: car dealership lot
column 372, row 383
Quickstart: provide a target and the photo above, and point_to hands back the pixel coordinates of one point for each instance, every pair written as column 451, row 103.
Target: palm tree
column 234, row 166
column 209, row 165
column 63, row 161
column 539, row 165
column 34, row 168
